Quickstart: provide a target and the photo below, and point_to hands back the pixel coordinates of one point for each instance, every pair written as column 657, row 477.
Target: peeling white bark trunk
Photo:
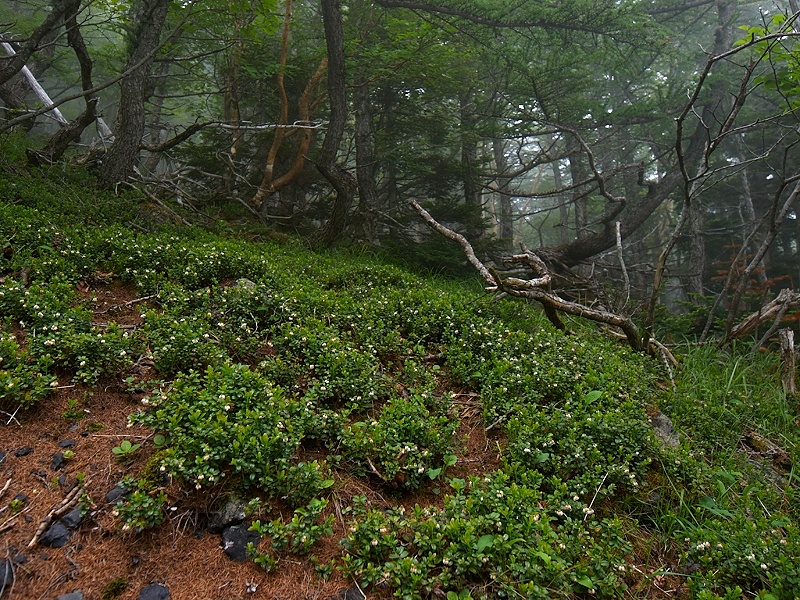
column 36, row 87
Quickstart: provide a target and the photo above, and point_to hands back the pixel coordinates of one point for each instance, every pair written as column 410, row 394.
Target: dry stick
column 7, row 524
column 160, row 203
column 70, row 499
column 5, row 487
column 773, row 328
column 597, row 491
column 124, row 304
column 12, row 417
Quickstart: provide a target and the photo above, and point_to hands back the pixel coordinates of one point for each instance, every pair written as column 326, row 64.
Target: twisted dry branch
column 538, row 288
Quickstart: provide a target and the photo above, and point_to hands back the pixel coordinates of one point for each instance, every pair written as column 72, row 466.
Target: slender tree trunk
column 230, row 106
column 11, row 65
column 577, row 172
column 366, row 166
column 156, row 137
column 118, row 164
column 469, row 159
column 59, row 143
column 506, row 210
column 697, row 252
column 343, row 183
column 563, row 206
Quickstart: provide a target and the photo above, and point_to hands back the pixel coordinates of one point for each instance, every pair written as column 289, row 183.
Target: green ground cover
column 267, row 352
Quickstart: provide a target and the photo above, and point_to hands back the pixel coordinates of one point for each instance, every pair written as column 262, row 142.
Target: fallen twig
column 128, row 303
column 56, row 512
column 5, row 487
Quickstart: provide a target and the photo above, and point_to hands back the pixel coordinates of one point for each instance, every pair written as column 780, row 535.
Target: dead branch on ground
column 537, row 288
column 773, row 311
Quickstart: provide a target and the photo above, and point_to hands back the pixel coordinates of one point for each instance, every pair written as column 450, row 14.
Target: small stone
column 57, row 461
column 56, row 536
column 24, row 451
column 66, row 444
column 351, row 593
column 115, row 494
column 235, row 540
column 231, row 513
column 154, row 591
column 21, row 497
column 62, row 480
column 6, row 575
column 2, row 457
column 76, row 595
column 72, row 519
column 664, row 430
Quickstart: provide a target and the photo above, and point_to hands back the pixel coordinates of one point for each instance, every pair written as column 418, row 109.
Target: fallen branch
column 126, row 304
column 5, row 487
column 537, row 288
column 56, row 512
column 774, row 311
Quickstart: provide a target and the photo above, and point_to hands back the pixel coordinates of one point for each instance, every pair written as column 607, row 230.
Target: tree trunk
column 506, row 210
column 59, row 143
column 11, row 65
column 118, row 164
column 343, row 183
column 469, row 159
column 578, row 173
column 366, row 166
column 156, row 136
column 697, row 252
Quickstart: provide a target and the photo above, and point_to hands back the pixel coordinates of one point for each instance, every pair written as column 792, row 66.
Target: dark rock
column 62, row 480
column 19, row 558
column 76, row 595
column 44, row 556
column 115, row 494
column 24, row 451
column 56, row 536
column 57, row 461
column 230, row 513
column 84, row 434
column 351, row 593
column 664, row 430
column 72, row 519
column 21, row 497
column 2, row 457
column 153, row 591
column 235, row 540
column 66, row 444
column 6, row 575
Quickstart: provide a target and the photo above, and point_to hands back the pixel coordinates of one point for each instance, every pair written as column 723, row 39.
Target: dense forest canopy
column 648, row 149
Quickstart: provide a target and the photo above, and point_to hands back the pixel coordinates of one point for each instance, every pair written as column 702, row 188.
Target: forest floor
column 99, row 560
